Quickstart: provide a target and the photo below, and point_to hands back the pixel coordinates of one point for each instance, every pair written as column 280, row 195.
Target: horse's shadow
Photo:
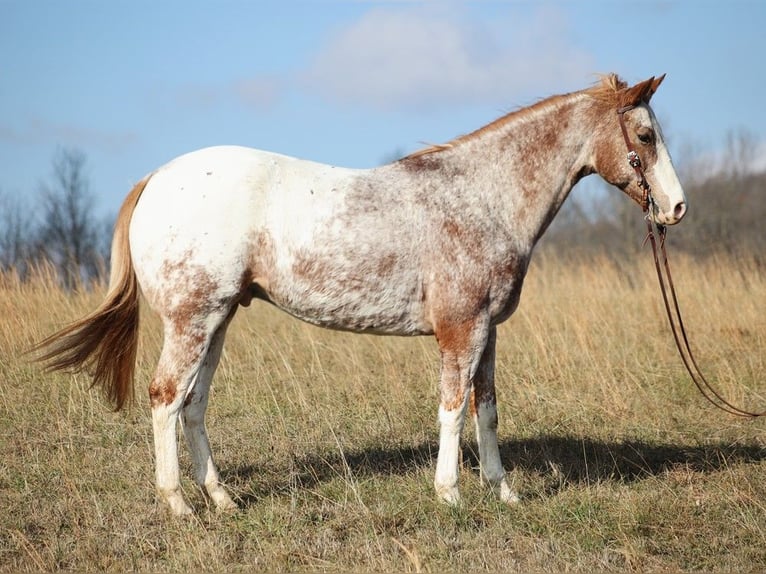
column 569, row 459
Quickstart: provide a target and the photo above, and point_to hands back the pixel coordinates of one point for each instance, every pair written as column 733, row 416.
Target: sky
column 351, row 83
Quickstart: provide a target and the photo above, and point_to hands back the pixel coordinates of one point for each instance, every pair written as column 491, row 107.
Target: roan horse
column 436, row 243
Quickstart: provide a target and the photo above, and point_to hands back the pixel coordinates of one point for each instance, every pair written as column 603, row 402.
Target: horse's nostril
column 680, row 210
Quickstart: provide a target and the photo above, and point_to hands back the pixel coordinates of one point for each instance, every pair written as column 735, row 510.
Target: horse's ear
column 655, row 84
column 641, row 92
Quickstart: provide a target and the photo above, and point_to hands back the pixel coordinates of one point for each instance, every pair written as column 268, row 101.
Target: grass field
column 328, row 441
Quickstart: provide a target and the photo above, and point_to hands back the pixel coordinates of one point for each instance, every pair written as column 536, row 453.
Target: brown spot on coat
column 420, row 163
column 385, row 265
column 162, row 390
column 311, row 269
column 452, row 228
column 198, row 291
column 454, row 340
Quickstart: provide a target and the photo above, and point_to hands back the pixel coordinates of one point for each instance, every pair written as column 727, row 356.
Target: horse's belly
column 363, row 308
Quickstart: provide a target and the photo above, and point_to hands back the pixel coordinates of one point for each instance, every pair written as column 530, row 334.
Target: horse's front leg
column 484, row 410
column 461, row 345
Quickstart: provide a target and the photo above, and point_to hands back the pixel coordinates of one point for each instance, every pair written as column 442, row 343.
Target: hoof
column 176, row 504
column 222, row 500
column 448, row 494
column 507, row 495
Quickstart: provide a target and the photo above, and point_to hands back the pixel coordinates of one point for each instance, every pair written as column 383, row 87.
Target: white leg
column 446, row 480
column 164, row 419
column 461, row 346
column 492, row 470
column 193, row 422
column 183, row 352
column 484, row 407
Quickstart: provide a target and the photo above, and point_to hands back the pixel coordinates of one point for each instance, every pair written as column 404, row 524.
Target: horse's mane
column 606, row 89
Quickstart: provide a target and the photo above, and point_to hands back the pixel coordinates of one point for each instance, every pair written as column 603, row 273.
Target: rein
column 673, row 311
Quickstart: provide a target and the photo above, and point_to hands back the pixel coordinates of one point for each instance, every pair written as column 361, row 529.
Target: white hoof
column 221, row 498
column 448, row 494
column 175, row 502
column 507, row 495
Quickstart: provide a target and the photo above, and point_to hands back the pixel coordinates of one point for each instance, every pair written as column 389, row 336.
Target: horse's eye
column 645, row 137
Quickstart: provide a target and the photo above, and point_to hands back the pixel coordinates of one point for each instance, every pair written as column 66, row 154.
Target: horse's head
column 627, row 125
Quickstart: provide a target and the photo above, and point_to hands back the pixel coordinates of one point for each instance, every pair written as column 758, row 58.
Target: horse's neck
column 525, row 164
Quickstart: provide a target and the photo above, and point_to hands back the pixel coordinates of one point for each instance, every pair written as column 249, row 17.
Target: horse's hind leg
column 193, row 422
column 484, row 409
column 183, row 354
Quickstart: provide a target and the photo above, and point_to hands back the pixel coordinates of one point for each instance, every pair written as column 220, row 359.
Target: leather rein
column 673, row 311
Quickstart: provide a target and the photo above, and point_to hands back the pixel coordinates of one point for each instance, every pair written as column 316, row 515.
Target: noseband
column 673, row 311
column 635, row 161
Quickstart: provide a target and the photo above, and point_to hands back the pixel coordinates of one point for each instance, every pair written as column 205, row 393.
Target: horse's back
column 216, row 194
column 210, row 181
column 326, row 244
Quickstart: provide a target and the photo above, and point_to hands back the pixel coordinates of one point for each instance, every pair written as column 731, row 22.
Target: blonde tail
column 105, row 341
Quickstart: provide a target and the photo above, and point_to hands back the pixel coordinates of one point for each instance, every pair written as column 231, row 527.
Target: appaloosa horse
column 436, row 243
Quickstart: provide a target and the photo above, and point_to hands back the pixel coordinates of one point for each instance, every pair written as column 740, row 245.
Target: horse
column 435, row 243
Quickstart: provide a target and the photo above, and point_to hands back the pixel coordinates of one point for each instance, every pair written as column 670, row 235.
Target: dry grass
column 329, row 440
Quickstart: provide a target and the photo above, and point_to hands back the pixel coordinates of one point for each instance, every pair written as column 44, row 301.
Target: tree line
column 727, row 212
column 60, row 228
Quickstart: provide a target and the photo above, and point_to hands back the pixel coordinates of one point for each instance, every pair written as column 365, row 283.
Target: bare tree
column 16, row 234
column 69, row 232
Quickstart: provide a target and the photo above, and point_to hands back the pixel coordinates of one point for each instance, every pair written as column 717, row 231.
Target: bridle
column 673, row 312
column 635, row 161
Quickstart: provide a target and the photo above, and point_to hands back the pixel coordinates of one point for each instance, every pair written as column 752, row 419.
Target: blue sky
column 134, row 84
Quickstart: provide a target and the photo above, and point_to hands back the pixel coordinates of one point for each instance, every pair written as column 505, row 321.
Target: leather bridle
column 634, row 160
column 674, row 313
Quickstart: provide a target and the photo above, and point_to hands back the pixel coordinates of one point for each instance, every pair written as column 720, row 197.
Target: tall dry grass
column 328, row 440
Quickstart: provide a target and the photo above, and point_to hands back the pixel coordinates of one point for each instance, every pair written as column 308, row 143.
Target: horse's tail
column 105, row 341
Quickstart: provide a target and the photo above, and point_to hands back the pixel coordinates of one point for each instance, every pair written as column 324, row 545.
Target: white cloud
column 424, row 56
column 414, row 57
